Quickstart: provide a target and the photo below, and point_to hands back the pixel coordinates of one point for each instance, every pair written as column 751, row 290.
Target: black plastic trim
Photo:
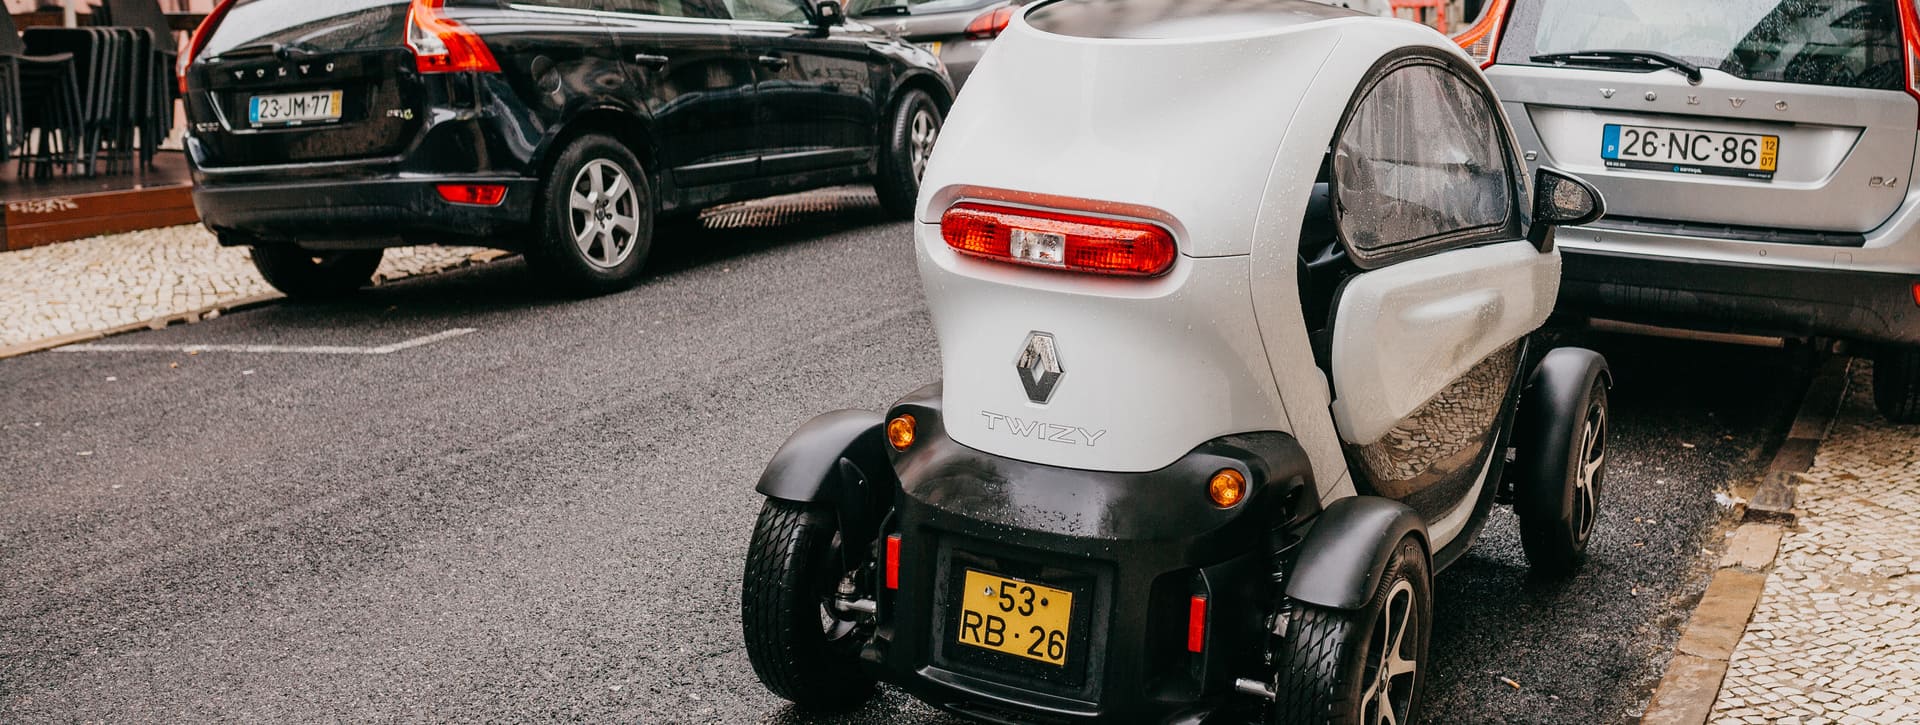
column 1767, row 235
column 1343, row 556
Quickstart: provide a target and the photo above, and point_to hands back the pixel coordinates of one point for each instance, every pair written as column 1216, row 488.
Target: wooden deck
column 46, row 211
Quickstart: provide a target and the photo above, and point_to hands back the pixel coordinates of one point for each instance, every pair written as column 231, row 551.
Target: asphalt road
column 545, row 518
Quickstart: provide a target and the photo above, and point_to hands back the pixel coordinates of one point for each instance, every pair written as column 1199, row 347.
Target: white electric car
column 1234, row 300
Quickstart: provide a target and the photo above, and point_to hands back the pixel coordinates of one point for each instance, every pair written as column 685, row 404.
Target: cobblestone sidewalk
column 1836, row 636
column 107, row 282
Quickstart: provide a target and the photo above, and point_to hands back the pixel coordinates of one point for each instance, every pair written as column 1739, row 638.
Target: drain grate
column 790, row 209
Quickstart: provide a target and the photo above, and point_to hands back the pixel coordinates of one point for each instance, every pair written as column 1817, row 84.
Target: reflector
column 473, row 194
column 893, row 561
column 1197, row 624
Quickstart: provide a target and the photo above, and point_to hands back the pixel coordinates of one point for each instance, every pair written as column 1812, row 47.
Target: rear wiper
column 1622, row 57
column 886, row 10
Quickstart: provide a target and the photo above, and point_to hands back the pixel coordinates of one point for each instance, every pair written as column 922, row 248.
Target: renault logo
column 1039, row 367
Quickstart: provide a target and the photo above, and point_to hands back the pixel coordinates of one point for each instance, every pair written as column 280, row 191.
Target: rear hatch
column 924, row 22
column 291, row 81
column 1800, row 127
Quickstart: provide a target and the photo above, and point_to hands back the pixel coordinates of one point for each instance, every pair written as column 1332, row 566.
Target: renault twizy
column 1234, row 301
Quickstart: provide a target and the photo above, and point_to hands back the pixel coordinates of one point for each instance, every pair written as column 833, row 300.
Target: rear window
column 320, row 25
column 1847, row 43
column 868, row 8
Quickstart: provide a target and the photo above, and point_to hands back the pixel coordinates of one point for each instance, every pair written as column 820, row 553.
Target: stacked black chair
column 152, row 87
column 50, row 133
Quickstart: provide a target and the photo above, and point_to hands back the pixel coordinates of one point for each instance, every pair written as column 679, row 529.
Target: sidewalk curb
column 154, row 323
column 1691, row 685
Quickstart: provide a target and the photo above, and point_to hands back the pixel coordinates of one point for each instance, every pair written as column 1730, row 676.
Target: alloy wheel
column 1386, row 697
column 604, row 214
column 1586, row 485
column 925, row 132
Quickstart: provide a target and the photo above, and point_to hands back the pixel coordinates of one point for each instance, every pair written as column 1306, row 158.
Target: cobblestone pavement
column 120, row 279
column 1836, row 638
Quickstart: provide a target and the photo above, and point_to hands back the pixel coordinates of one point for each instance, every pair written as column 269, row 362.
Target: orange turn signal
column 1227, row 488
column 900, row 432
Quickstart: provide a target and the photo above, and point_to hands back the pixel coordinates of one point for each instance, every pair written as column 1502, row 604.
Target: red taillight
column 198, row 41
column 1197, row 624
column 1483, row 39
column 1059, row 240
column 443, row 45
column 1910, row 29
column 1916, row 293
column 473, row 194
column 989, row 24
column 893, row 561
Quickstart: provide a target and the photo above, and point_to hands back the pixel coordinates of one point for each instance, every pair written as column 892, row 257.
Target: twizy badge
column 1039, row 367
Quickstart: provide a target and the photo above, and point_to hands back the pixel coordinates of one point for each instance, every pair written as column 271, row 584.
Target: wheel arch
column 941, row 91
column 1556, row 387
column 806, row 469
column 1347, row 551
column 631, row 129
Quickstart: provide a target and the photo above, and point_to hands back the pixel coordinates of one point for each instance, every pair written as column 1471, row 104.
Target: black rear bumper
column 1133, row 548
column 364, row 213
column 1872, row 307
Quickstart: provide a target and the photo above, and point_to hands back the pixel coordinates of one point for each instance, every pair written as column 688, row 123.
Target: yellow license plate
column 1019, row 618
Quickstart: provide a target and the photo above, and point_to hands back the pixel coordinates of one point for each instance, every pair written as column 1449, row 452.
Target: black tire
column 1330, row 663
column 904, row 156
column 305, row 274
column 1896, row 384
column 800, row 651
column 615, row 221
column 1559, row 500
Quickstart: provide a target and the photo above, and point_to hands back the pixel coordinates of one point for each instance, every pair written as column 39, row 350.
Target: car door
column 818, row 104
column 685, row 60
column 1426, row 337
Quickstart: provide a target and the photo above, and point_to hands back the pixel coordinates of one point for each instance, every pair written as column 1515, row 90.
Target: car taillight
column 1482, row 40
column 989, row 24
column 473, row 194
column 1059, row 240
column 443, row 45
column 1197, row 624
column 1910, row 29
column 198, row 41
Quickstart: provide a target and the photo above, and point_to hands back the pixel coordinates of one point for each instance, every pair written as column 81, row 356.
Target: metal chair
column 47, row 134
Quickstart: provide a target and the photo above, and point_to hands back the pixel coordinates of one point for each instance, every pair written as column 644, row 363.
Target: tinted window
column 775, row 11
column 1420, row 160
column 1174, row 18
column 703, row 9
column 915, row 7
column 1850, row 43
column 329, row 25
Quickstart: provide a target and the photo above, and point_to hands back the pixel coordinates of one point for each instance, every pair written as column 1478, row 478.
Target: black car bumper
column 1871, row 307
column 1134, row 549
column 363, row 213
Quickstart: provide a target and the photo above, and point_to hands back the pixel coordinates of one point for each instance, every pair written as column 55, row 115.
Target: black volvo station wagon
column 322, row 132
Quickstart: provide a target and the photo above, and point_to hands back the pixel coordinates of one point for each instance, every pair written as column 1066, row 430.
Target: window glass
column 1421, row 158
column 870, row 8
column 333, row 25
column 775, row 11
column 1848, row 43
column 703, row 9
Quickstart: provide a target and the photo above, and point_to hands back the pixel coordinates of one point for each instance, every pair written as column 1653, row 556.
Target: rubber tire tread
column 1321, row 658
column 292, row 270
column 1545, row 507
column 780, row 617
column 895, row 185
column 553, row 257
column 1896, row 384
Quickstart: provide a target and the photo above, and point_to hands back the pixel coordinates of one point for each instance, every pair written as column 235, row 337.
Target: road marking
column 273, row 349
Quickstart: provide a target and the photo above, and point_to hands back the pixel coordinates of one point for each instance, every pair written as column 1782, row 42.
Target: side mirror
column 1562, row 200
column 828, row 13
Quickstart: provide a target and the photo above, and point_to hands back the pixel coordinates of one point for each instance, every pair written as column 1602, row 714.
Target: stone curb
column 208, row 312
column 1687, row 691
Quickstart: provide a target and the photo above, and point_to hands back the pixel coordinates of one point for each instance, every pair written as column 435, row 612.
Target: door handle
column 774, row 62
column 651, row 61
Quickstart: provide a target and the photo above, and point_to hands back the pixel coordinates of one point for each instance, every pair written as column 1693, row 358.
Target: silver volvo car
column 1756, row 157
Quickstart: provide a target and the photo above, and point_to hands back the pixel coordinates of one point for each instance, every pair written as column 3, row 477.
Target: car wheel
column 801, row 646
column 1558, row 503
column 595, row 218
column 1364, row 666
column 305, row 274
column 910, row 134
column 1896, row 384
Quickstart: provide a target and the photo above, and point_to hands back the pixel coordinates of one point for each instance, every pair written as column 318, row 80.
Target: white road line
column 273, row 349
